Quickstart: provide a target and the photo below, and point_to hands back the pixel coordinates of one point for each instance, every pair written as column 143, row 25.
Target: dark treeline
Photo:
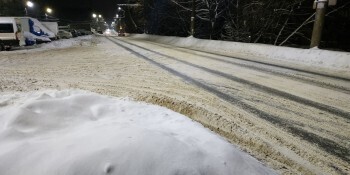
column 277, row 22
column 11, row 8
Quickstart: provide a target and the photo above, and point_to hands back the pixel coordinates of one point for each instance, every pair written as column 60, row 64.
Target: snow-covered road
column 298, row 102
column 294, row 121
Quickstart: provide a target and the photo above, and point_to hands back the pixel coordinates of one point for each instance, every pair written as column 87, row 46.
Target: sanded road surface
column 293, row 121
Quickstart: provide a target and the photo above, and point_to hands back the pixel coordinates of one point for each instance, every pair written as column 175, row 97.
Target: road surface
column 292, row 120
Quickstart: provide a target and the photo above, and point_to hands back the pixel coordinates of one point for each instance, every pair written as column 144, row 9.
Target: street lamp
column 94, row 15
column 100, row 16
column 120, row 15
column 49, row 10
column 29, row 4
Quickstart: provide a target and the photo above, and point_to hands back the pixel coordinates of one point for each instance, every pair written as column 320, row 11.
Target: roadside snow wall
column 332, row 63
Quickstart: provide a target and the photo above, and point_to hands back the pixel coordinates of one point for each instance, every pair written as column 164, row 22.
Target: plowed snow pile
column 77, row 132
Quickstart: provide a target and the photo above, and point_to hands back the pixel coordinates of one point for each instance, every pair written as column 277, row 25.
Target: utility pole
column 145, row 17
column 193, row 16
column 319, row 22
column 321, row 7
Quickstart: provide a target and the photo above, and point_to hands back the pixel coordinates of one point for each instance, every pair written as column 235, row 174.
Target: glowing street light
column 100, row 16
column 49, row 10
column 94, row 15
column 121, row 12
column 30, row 4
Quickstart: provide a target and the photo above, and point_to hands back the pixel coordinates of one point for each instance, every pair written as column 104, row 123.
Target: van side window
column 6, row 28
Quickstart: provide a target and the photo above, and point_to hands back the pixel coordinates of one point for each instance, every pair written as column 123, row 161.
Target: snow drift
column 77, row 132
column 59, row 44
column 315, row 60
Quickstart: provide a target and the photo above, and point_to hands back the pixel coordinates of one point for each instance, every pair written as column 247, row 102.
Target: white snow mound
column 77, row 132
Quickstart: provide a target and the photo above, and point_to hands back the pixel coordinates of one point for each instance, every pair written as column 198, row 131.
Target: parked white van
column 9, row 33
column 20, row 31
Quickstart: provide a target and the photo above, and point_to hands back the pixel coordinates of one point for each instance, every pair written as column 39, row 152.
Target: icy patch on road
column 77, row 132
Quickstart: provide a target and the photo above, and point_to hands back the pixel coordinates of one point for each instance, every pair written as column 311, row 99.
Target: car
column 9, row 33
column 62, row 34
column 121, row 34
column 73, row 32
column 84, row 32
column 88, row 32
column 99, row 31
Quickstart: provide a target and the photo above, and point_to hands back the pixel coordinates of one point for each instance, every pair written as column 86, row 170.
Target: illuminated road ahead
column 295, row 122
column 311, row 107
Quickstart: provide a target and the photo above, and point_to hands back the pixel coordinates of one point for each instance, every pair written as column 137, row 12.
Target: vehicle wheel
column 2, row 47
column 8, row 48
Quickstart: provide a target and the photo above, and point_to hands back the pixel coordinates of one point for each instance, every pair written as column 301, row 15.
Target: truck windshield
column 6, row 28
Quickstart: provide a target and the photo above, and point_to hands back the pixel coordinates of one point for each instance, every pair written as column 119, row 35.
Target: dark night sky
column 81, row 10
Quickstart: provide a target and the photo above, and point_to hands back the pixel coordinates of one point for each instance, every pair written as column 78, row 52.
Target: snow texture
column 78, row 132
column 61, row 44
column 316, row 60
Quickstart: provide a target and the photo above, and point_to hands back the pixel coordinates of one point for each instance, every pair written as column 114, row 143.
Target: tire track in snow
column 273, row 65
column 288, row 96
column 256, row 68
column 323, row 143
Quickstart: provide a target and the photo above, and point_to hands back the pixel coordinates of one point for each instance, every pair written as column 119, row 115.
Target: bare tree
column 277, row 22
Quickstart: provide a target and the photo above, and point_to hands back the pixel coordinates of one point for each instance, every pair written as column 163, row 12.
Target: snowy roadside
column 78, row 132
column 58, row 44
column 315, row 60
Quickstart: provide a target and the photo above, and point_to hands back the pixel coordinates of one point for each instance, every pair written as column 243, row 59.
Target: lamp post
column 120, row 15
column 193, row 16
column 100, row 18
column 95, row 16
column 29, row 4
column 98, row 22
column 94, row 22
column 48, row 11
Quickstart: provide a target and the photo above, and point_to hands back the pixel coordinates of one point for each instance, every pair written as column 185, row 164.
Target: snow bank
column 316, row 60
column 65, row 43
column 77, row 132
column 58, row 44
